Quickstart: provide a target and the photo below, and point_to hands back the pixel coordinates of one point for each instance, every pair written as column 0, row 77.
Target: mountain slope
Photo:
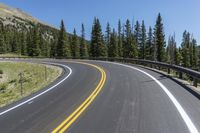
column 22, row 34
column 15, row 16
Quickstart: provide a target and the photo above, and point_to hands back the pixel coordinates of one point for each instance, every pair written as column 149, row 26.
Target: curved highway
column 103, row 97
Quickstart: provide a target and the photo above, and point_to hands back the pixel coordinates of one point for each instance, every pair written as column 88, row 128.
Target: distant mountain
column 17, row 17
column 23, row 34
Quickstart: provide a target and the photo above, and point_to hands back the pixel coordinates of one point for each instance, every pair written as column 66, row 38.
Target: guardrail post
column 195, row 81
column 168, row 71
column 180, row 75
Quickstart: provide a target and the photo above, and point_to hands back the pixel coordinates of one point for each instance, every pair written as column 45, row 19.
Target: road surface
column 121, row 99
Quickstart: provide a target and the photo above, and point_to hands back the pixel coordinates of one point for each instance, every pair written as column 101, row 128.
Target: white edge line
column 16, row 106
column 178, row 106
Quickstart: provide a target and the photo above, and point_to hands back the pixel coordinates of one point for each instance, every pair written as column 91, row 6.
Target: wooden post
column 45, row 72
column 21, row 82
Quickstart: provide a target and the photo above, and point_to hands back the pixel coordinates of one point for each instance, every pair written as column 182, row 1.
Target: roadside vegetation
column 20, row 79
column 126, row 40
column 10, row 55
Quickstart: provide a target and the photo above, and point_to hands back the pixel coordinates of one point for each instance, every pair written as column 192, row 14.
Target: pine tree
column 123, row 42
column 129, row 46
column 29, row 40
column 15, row 42
column 149, row 45
column 198, row 58
column 53, row 47
column 113, row 45
column 194, row 53
column 61, row 40
column 137, row 33
column 93, row 45
column 23, row 39
column 83, row 44
column 127, row 39
column 185, row 48
column 155, row 49
column 35, row 42
column 120, row 40
column 23, row 44
column 63, row 48
column 191, row 52
column 159, row 39
column 46, row 49
column 108, row 34
column 178, row 57
column 142, row 48
column 7, row 39
column 171, row 50
column 98, row 48
column 75, row 47
column 2, row 44
column 42, row 44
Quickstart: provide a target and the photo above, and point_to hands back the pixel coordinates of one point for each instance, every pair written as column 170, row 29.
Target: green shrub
column 1, row 71
column 3, row 87
column 13, row 81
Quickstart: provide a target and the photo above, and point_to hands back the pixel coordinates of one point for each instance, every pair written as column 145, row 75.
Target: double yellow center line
column 72, row 118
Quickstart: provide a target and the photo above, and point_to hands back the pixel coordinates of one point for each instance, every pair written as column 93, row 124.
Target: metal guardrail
column 181, row 70
column 160, row 65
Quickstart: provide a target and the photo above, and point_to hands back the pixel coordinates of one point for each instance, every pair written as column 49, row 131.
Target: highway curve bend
column 105, row 97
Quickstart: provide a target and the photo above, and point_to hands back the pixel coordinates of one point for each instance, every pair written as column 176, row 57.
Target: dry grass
column 32, row 81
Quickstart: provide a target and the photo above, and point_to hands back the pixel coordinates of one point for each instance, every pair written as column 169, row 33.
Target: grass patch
column 33, row 79
column 11, row 55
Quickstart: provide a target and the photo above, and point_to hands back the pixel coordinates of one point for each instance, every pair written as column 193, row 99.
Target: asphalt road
column 130, row 102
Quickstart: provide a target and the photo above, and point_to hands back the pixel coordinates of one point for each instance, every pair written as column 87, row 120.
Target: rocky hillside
column 16, row 17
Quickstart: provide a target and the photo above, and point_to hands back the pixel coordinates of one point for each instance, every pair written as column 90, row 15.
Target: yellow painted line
column 73, row 117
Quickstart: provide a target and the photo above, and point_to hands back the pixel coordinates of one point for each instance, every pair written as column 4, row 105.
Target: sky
column 178, row 15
